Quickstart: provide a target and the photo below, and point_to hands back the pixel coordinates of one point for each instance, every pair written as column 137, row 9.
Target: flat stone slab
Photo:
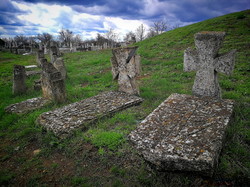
column 32, row 73
column 27, row 106
column 184, row 133
column 77, row 115
column 31, row 67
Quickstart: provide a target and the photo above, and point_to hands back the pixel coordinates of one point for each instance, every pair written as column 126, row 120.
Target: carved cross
column 206, row 61
column 125, row 68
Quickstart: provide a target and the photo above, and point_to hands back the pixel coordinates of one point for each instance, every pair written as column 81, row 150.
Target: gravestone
column 186, row 133
column 26, row 106
column 54, row 53
column 79, row 115
column 206, row 61
column 39, row 57
column 53, row 86
column 125, row 68
column 19, row 77
column 60, row 66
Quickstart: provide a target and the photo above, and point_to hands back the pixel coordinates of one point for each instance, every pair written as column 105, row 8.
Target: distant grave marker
column 206, row 61
column 19, row 77
column 125, row 68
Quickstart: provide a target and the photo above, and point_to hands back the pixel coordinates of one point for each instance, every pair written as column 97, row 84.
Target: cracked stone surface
column 184, row 133
column 77, row 115
column 26, row 106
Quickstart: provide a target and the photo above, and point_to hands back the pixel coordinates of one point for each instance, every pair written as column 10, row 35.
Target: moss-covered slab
column 27, row 106
column 77, row 115
column 184, row 133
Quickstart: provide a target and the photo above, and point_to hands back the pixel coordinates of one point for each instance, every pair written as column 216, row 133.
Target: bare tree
column 66, row 36
column 45, row 39
column 151, row 33
column 111, row 36
column 130, row 36
column 160, row 27
column 140, row 33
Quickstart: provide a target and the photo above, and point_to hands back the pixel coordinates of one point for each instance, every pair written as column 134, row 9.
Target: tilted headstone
column 53, row 86
column 126, row 67
column 59, row 65
column 39, row 57
column 19, row 77
column 206, row 61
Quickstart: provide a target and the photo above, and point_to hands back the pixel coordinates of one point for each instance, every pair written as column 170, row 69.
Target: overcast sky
column 88, row 17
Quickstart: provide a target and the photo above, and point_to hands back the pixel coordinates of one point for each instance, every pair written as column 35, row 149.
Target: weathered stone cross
column 206, row 61
column 126, row 67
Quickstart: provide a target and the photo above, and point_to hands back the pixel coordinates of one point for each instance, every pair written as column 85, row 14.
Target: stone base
column 26, row 106
column 77, row 115
column 184, row 133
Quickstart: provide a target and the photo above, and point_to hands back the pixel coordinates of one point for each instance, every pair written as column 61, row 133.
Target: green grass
column 101, row 155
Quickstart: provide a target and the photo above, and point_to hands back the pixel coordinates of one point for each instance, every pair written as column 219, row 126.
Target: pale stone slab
column 77, row 115
column 27, row 106
column 184, row 133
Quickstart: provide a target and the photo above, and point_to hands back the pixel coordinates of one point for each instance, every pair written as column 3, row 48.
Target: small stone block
column 27, row 106
column 77, row 115
column 184, row 133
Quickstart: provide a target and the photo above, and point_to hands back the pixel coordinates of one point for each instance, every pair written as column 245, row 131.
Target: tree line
column 66, row 37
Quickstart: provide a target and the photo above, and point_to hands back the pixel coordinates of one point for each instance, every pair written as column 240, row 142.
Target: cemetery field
column 101, row 155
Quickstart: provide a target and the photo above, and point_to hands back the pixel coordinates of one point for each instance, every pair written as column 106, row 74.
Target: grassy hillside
column 102, row 156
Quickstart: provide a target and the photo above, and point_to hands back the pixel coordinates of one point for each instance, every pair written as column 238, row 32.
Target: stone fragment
column 184, row 133
column 19, row 77
column 63, row 121
column 126, row 67
column 39, row 57
column 27, row 106
column 59, row 65
column 53, row 86
column 206, row 61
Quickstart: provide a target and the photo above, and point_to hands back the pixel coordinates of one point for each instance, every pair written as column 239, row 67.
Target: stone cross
column 206, row 61
column 39, row 57
column 59, row 65
column 53, row 86
column 126, row 67
column 19, row 76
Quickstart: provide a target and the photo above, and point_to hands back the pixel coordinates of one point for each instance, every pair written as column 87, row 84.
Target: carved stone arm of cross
column 225, row 63
column 191, row 60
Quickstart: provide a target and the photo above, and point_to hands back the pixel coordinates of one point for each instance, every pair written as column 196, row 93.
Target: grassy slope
column 111, row 161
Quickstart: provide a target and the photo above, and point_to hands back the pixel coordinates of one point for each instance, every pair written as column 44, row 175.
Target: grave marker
column 53, row 86
column 125, row 68
column 19, row 77
column 206, row 61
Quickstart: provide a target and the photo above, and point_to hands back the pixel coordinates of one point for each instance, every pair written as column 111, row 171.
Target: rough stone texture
column 59, row 65
column 126, row 67
column 206, row 61
column 39, row 57
column 184, row 133
column 32, row 73
column 19, row 76
column 54, row 53
column 37, row 85
column 77, row 115
column 26, row 106
column 53, row 86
